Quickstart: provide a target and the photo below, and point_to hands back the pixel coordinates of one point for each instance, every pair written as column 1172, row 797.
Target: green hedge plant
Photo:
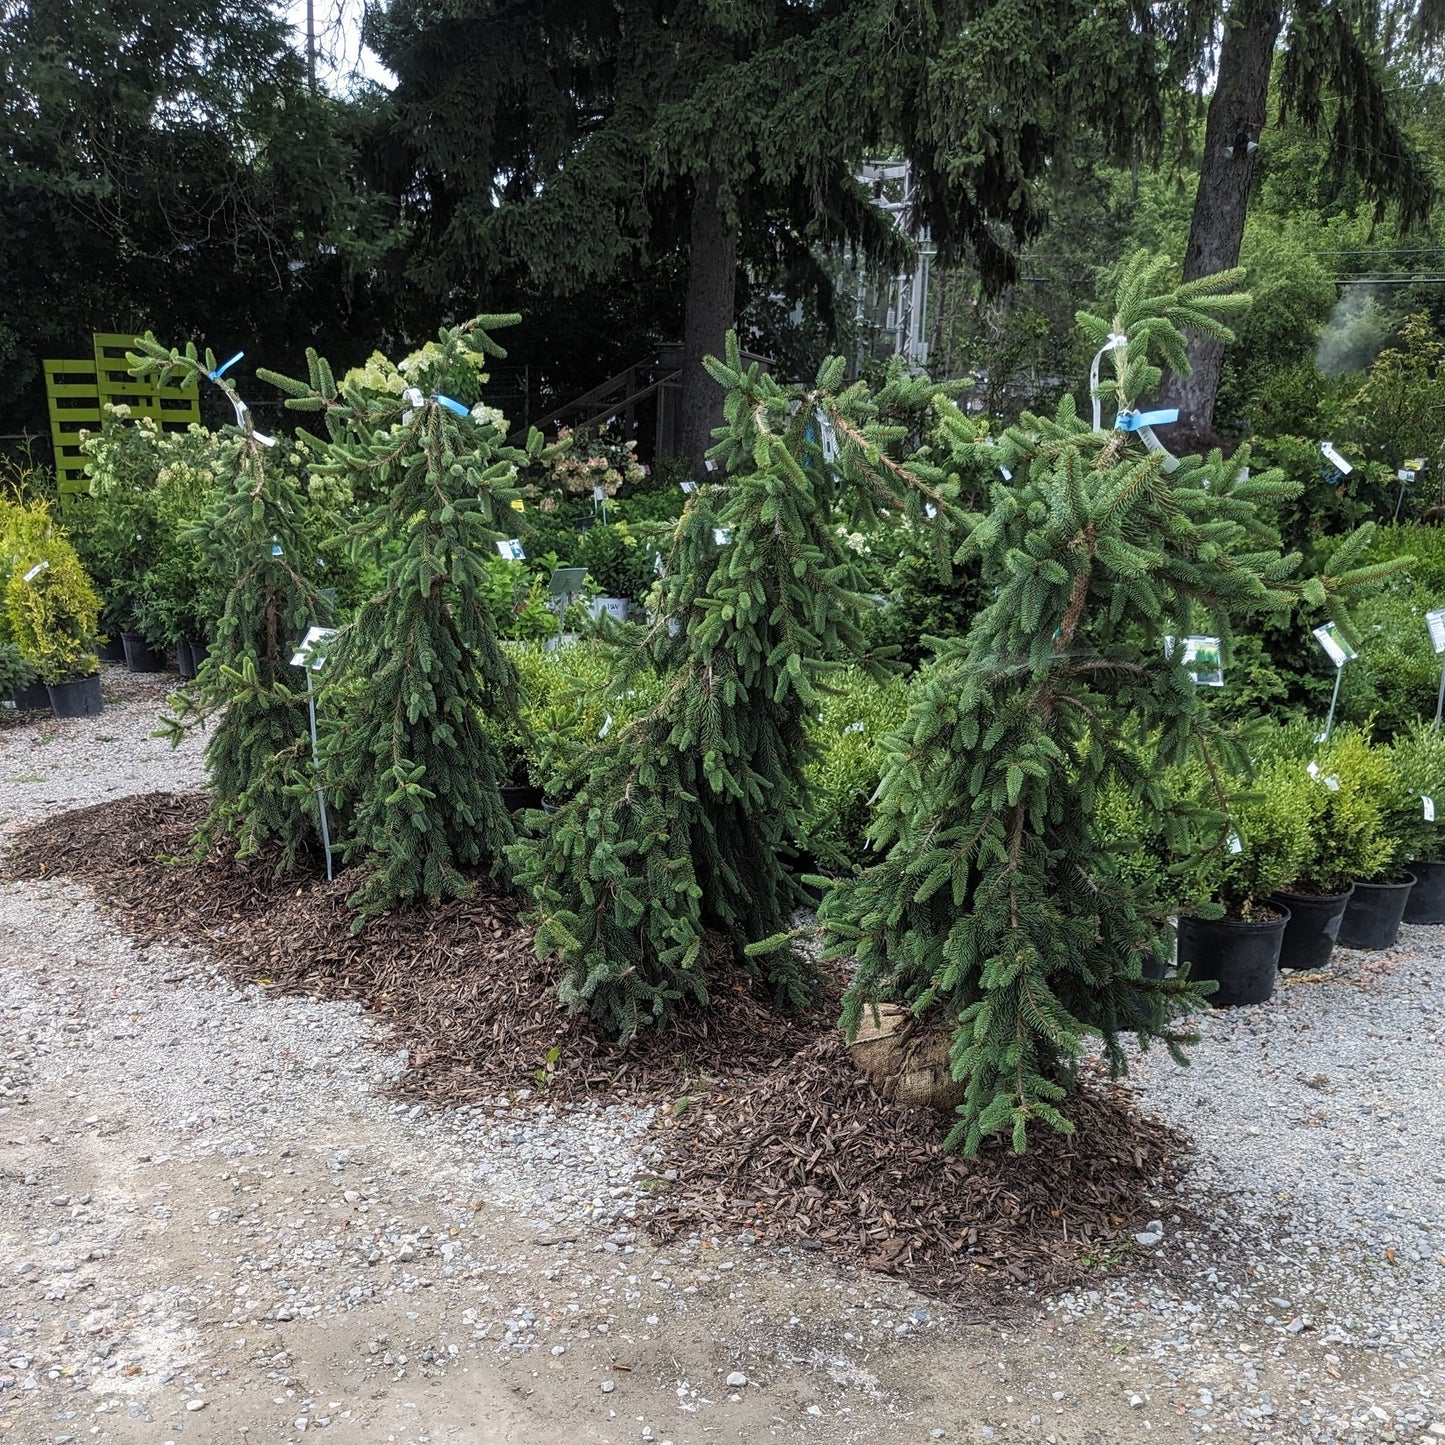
column 1417, row 759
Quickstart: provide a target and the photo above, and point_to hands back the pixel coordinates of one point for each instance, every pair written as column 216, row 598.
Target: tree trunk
column 1236, row 117
column 711, row 301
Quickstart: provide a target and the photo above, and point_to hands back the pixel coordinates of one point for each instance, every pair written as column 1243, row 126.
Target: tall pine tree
column 257, row 757
column 413, row 773
column 682, row 817
column 995, row 910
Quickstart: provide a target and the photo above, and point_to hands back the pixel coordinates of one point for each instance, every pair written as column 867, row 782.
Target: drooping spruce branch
column 995, row 910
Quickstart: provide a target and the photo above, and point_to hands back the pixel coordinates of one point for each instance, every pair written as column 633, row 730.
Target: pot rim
column 1313, row 897
column 1410, row 881
column 1258, row 926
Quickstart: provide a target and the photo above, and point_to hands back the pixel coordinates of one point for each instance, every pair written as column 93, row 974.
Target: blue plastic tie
column 225, row 366
column 455, row 407
column 1137, row 420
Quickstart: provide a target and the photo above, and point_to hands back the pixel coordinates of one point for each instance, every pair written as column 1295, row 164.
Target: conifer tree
column 257, row 538
column 995, row 911
column 681, row 817
column 413, row 773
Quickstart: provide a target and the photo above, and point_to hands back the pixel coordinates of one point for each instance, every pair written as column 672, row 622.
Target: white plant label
column 36, row 570
column 597, row 493
column 310, row 654
column 606, row 726
column 1428, row 805
column 1335, row 459
column 1235, row 843
column 1202, row 657
column 1332, row 782
column 1435, row 621
column 1333, row 641
column 721, row 536
column 687, row 487
column 511, row 550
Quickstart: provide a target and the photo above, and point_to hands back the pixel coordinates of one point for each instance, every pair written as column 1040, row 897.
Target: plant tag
column 36, row 570
column 1428, row 805
column 517, row 504
column 721, row 536
column 827, row 438
column 511, row 551
column 414, row 401
column 930, row 510
column 606, row 726
column 1406, row 475
column 1435, row 621
column 276, row 550
column 1313, row 770
column 1235, row 843
column 1337, row 649
column 687, row 487
column 711, row 464
column 597, row 493
column 1335, row 459
column 1203, row 658
column 310, row 653
column 1332, row 782
column 1008, row 476
column 855, row 727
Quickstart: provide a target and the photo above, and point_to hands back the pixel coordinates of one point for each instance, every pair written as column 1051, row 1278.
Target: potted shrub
column 620, row 566
column 53, row 612
column 1417, row 757
column 1346, row 842
column 1235, row 940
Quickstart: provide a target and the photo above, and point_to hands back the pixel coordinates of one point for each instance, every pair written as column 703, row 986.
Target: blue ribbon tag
column 1137, row 420
column 455, row 407
column 225, row 366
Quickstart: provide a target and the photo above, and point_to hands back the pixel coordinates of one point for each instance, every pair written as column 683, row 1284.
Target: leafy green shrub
column 845, row 764
column 52, row 612
column 1133, row 841
column 916, row 605
column 1424, row 546
column 1395, row 678
column 1417, row 758
column 1347, row 839
column 1265, row 842
column 617, row 560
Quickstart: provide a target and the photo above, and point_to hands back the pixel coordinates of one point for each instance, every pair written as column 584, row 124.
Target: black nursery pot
column 80, row 698
column 138, row 654
column 111, row 651
column 1372, row 921
column 1242, row 958
column 1314, row 924
column 516, row 798
column 31, row 698
column 1426, row 903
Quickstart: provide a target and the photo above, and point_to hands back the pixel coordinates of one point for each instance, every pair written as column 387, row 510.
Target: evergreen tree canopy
column 996, row 911
column 567, row 141
column 163, row 165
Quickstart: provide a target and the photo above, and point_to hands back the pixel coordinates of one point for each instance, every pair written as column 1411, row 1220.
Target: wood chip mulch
column 773, row 1129
column 811, row 1155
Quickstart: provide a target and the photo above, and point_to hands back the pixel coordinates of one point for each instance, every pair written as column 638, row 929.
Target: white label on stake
column 1333, row 641
column 1203, row 658
column 686, row 487
column 1335, row 459
column 721, row 536
column 1313, row 770
column 1235, row 844
column 597, row 493
column 1435, row 621
column 1332, row 782
column 511, row 551
column 1428, row 804
column 36, row 570
column 309, row 654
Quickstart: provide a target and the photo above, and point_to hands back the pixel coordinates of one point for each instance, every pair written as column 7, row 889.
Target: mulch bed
column 811, row 1155
column 775, row 1130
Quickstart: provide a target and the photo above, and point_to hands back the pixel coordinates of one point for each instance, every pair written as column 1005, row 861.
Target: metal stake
column 316, row 765
column 1330, row 721
column 1440, row 700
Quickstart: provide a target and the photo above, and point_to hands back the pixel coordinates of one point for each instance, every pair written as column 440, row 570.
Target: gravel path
column 216, row 1222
